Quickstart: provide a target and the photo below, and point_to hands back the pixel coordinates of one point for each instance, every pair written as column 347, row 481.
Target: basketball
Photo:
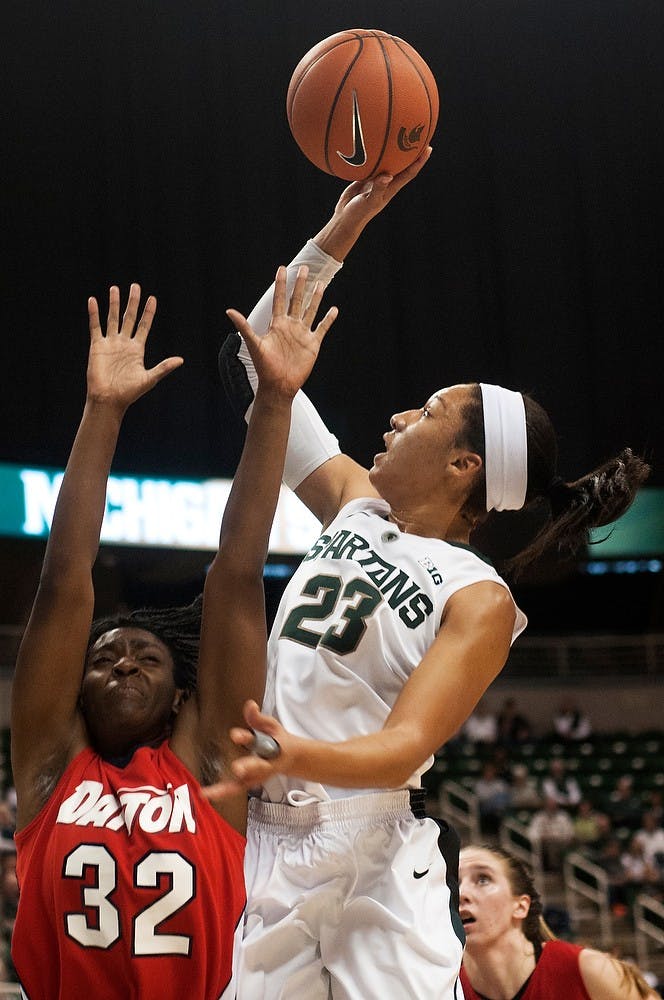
column 361, row 103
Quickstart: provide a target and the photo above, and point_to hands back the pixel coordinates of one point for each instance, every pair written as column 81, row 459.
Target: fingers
column 297, row 296
column 241, row 324
column 255, row 718
column 294, row 307
column 407, row 175
column 314, row 303
column 241, row 737
column 279, row 295
column 222, row 790
column 93, row 319
column 326, row 322
column 164, row 368
column 145, row 321
column 131, row 310
column 113, row 310
column 129, row 317
column 312, row 309
column 252, row 771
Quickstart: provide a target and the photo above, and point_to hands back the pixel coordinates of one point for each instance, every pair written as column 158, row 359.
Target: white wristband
column 310, row 443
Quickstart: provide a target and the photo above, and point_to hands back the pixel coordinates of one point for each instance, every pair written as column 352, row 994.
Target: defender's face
column 129, row 681
column 487, row 905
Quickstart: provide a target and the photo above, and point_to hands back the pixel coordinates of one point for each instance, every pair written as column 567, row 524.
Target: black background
column 149, row 141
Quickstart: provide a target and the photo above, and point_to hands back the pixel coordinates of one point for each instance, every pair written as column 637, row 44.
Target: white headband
column 505, row 448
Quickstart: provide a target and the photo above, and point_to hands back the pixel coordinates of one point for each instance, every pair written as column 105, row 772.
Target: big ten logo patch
column 431, row 570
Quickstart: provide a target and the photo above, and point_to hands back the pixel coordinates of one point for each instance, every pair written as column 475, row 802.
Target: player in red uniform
column 131, row 883
column 511, row 954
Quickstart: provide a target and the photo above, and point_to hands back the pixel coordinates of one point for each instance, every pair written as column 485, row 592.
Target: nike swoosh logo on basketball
column 420, row 874
column 359, row 156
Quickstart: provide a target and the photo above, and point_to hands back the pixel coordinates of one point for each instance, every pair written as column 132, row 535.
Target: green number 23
column 344, row 635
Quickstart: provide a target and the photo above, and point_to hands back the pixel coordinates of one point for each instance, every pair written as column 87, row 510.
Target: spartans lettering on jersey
column 401, row 591
column 152, row 809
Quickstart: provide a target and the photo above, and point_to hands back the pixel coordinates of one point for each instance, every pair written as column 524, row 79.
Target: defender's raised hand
column 116, row 363
column 285, row 356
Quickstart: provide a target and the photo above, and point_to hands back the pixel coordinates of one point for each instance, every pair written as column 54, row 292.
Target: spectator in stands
column 493, row 794
column 500, row 759
column 524, row 789
column 481, row 726
column 589, row 825
column 623, row 805
column 563, row 788
column 609, row 860
column 8, row 904
column 640, row 875
column 651, row 838
column 570, row 722
column 552, row 830
column 655, row 804
column 513, row 726
column 7, row 827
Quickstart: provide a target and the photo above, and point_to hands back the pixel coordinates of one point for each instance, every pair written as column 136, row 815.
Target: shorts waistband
column 354, row 810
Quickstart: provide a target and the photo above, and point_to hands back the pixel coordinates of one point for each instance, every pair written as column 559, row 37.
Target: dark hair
column 569, row 509
column 535, row 928
column 178, row 628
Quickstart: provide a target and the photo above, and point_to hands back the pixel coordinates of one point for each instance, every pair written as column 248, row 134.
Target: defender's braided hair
column 178, row 628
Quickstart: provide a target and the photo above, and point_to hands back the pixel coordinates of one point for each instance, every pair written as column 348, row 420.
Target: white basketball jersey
column 355, row 620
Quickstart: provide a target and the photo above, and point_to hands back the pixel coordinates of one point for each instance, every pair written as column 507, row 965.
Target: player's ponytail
column 572, row 509
column 564, row 512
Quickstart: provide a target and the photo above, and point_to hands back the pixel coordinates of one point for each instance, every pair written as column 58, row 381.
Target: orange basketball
column 361, row 103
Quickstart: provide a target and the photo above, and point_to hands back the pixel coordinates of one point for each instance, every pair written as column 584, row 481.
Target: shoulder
column 604, row 976
column 467, row 568
column 483, row 602
column 559, row 965
column 558, row 948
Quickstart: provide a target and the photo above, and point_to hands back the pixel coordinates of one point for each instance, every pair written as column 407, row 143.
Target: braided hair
column 178, row 628
column 566, row 511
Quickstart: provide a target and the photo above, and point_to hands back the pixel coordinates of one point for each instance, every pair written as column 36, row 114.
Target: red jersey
column 131, row 886
column 557, row 974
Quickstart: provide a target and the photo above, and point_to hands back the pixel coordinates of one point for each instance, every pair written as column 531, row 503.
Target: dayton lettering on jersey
column 391, row 581
column 152, row 809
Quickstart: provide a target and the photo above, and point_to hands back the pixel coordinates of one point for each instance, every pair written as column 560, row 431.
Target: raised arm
column 315, row 468
column 46, row 728
column 234, row 631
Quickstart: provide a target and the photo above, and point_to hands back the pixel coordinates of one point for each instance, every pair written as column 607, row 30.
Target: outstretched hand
column 250, row 770
column 359, row 203
column 116, row 362
column 285, row 356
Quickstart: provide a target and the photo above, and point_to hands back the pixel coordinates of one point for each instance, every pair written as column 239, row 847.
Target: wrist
column 275, row 396
column 338, row 237
column 103, row 407
column 302, row 757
